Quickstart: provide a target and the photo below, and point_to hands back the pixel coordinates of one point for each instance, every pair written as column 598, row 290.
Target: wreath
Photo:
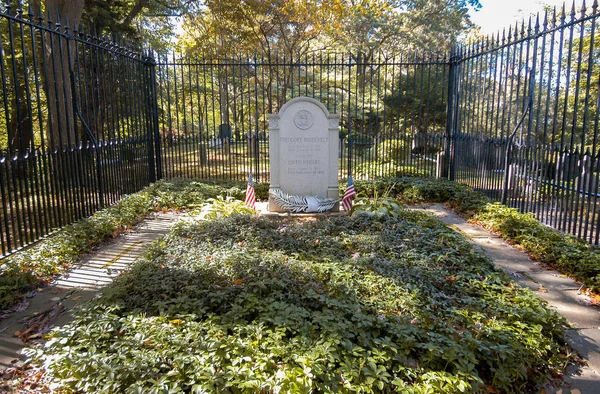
column 299, row 204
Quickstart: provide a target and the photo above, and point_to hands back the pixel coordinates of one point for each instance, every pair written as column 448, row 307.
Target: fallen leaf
column 238, row 281
column 76, row 298
column 22, row 306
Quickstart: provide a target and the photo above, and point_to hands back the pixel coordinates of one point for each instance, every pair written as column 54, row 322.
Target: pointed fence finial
column 66, row 26
column 30, row 14
column 57, row 22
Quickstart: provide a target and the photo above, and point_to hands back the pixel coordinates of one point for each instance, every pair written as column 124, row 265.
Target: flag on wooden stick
column 349, row 195
column 250, row 196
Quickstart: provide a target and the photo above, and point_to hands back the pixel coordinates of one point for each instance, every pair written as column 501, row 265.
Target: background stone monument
column 303, row 145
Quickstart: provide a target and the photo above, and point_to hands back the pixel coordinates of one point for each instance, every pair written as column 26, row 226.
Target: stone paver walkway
column 562, row 294
column 51, row 306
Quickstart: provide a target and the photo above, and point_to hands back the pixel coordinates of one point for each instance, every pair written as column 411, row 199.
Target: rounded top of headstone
column 304, row 121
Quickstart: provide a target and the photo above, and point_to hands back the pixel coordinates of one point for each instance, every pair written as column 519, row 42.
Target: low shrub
column 375, row 169
column 29, row 268
column 368, row 303
column 224, row 207
column 566, row 253
column 392, row 150
column 413, row 190
column 40, row 263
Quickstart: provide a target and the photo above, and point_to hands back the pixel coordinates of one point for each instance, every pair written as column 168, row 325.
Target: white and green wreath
column 298, row 204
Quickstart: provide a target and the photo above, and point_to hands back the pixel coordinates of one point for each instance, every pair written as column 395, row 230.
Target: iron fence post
column 154, row 149
column 448, row 167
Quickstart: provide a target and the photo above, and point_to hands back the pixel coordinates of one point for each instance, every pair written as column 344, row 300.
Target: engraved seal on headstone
column 303, row 119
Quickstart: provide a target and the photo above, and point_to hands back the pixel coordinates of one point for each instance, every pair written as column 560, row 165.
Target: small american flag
column 349, row 195
column 250, row 196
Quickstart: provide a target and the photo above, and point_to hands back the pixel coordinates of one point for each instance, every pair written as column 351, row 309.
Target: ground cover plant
column 563, row 252
column 370, row 303
column 28, row 269
column 36, row 265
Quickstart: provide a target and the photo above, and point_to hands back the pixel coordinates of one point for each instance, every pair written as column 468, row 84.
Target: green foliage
column 413, row 190
column 147, row 21
column 391, row 151
column 378, row 206
column 224, row 207
column 565, row 252
column 29, row 268
column 372, row 169
column 368, row 303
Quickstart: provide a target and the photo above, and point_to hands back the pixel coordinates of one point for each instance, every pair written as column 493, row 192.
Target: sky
column 494, row 15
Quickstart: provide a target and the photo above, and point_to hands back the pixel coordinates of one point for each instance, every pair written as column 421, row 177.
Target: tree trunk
column 58, row 53
column 20, row 122
column 137, row 8
column 223, row 97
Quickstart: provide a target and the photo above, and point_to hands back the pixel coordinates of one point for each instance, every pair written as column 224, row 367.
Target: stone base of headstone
column 272, row 209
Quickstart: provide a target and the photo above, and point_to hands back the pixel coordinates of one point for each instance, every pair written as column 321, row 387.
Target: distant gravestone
column 225, row 132
column 303, row 145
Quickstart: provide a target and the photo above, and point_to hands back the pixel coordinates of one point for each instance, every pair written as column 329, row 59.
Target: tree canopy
column 362, row 27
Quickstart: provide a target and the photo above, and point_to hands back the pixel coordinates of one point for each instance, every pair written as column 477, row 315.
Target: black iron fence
column 525, row 123
column 213, row 114
column 77, row 125
column 86, row 121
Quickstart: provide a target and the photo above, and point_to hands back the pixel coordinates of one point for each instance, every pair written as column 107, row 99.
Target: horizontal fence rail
column 86, row 121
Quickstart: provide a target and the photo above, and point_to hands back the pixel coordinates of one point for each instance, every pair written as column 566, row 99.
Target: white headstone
column 303, row 146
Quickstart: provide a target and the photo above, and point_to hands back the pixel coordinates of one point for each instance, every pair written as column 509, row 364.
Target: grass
column 371, row 303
